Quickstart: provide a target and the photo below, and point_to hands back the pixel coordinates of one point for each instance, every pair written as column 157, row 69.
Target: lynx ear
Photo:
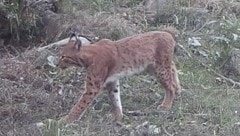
column 78, row 44
column 72, row 35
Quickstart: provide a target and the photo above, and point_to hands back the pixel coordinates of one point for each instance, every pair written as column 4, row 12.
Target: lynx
column 108, row 61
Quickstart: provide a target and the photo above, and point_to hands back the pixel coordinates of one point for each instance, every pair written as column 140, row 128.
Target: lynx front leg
column 114, row 95
column 92, row 91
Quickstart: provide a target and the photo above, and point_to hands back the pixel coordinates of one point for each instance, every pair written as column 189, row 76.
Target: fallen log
column 58, row 44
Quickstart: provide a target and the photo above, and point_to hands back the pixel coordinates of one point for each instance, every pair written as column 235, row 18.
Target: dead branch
column 140, row 129
column 166, row 132
column 144, row 124
column 184, row 49
column 235, row 83
column 139, row 113
column 60, row 43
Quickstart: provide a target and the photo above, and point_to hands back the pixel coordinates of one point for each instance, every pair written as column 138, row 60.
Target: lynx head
column 69, row 53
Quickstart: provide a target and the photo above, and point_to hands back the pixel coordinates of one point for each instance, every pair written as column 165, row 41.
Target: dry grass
column 29, row 95
column 204, row 107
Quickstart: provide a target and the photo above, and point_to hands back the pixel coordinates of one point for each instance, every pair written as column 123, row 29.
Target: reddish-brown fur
column 107, row 61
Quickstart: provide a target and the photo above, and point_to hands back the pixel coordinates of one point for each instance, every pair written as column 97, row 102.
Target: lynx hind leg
column 84, row 102
column 165, row 76
column 115, row 99
column 176, row 79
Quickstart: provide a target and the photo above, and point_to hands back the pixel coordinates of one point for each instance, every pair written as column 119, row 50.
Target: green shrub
column 22, row 19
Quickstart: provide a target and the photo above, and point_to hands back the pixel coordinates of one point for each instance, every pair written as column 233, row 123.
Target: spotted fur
column 108, row 61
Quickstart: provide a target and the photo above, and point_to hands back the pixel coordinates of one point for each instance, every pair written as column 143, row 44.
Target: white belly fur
column 126, row 73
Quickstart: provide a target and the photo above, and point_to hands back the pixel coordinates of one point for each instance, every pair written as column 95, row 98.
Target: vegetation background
column 34, row 93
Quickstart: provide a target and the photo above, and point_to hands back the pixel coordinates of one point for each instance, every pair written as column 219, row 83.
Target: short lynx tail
column 172, row 30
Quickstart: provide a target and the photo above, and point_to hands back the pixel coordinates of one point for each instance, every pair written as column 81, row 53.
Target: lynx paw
column 164, row 107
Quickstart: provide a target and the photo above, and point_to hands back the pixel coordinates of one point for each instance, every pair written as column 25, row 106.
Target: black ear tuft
column 73, row 34
column 79, row 44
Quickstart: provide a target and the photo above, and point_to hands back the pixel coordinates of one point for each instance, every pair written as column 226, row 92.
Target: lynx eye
column 62, row 57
